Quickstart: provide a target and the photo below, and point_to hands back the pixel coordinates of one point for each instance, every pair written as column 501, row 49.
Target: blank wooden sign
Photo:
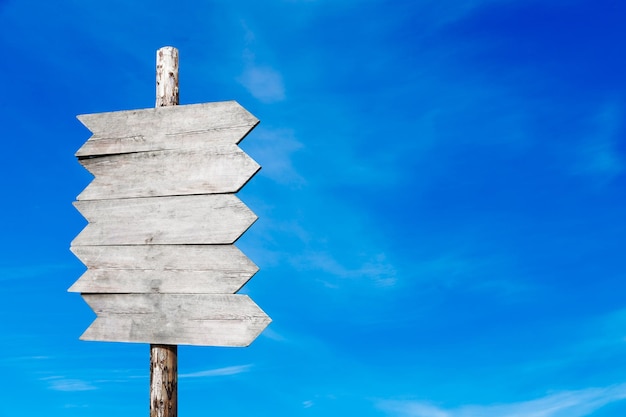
column 163, row 217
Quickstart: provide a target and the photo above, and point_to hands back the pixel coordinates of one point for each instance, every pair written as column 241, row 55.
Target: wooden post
column 167, row 77
column 164, row 358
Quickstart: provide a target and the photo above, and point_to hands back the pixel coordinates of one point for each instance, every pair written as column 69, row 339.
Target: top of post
column 167, row 77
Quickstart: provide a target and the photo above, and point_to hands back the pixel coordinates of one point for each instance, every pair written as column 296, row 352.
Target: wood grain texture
column 207, row 320
column 226, row 258
column 163, row 381
column 166, row 128
column 164, row 358
column 221, row 169
column 192, row 219
column 159, row 282
column 184, row 269
column 167, row 77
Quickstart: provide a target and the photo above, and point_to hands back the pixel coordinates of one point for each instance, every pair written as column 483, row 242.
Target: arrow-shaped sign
column 184, row 269
column 191, row 219
column 175, row 319
column 162, row 220
column 223, row 169
column 166, row 128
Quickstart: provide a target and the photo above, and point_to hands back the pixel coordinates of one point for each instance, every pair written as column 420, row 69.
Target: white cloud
column 375, row 268
column 494, row 274
column 412, row 408
column 58, row 383
column 226, row 371
column 563, row 404
column 272, row 334
column 490, row 275
column 264, row 83
column 598, row 153
column 71, row 406
column 274, row 149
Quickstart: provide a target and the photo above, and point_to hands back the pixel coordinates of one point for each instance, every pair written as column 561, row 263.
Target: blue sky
column 441, row 205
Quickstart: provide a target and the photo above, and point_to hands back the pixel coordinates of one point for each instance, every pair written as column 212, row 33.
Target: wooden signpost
column 163, row 217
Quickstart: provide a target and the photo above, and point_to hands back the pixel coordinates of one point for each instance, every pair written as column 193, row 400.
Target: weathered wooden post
column 163, row 217
column 164, row 358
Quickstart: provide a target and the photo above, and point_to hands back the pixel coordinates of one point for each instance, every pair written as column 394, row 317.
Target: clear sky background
column 442, row 204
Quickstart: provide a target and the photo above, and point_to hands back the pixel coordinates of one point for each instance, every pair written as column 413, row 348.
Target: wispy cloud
column 73, row 406
column 374, row 268
column 263, row 81
column 229, row 370
column 274, row 149
column 578, row 403
column 598, row 155
column 600, row 337
column 59, row 383
column 27, row 359
column 272, row 334
column 494, row 273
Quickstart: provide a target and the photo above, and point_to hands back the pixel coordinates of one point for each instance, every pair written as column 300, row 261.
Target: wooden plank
column 137, row 281
column 141, row 328
column 158, row 141
column 166, row 128
column 163, row 268
column 207, row 320
column 192, row 219
column 188, row 269
column 169, row 119
column 217, row 258
column 221, row 169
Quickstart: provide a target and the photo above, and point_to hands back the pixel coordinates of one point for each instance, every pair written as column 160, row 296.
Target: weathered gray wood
column 164, row 359
column 222, row 169
column 158, row 141
column 167, row 77
column 163, row 268
column 183, row 269
column 163, row 380
column 192, row 219
column 166, row 128
column 208, row 319
column 153, row 281
column 225, row 259
column 141, row 328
